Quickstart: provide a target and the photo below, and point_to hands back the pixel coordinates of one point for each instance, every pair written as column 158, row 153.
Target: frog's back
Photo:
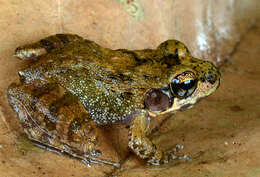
column 109, row 90
column 110, row 83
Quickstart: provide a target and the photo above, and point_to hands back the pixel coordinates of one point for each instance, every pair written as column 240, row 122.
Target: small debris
column 236, row 108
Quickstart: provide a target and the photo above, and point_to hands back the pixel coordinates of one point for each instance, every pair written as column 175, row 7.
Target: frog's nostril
column 156, row 100
column 212, row 78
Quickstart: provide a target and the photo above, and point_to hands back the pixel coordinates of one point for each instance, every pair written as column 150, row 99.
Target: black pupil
column 188, row 84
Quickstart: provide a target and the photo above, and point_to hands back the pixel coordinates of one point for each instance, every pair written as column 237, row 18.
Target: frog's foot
column 169, row 156
column 86, row 158
column 45, row 45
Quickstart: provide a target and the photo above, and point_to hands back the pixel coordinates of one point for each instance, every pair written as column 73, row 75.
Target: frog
column 71, row 87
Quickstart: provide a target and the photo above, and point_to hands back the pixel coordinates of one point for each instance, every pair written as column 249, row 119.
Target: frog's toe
column 96, row 153
column 170, row 156
column 86, row 162
column 174, row 154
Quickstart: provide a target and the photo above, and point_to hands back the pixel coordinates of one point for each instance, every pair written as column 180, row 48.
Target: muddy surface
column 221, row 134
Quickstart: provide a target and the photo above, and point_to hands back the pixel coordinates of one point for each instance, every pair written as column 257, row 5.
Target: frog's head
column 187, row 83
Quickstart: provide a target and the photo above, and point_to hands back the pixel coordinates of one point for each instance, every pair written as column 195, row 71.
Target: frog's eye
column 184, row 84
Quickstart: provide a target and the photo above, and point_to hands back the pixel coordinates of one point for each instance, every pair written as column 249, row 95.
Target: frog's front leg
column 143, row 146
column 45, row 45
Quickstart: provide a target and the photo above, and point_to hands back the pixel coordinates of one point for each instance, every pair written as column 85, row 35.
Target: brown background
column 221, row 134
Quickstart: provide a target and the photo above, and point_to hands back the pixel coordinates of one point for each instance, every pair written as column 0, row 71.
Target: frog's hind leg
column 56, row 121
column 45, row 45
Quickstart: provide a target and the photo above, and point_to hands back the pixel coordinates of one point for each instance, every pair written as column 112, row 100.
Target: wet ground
column 221, row 134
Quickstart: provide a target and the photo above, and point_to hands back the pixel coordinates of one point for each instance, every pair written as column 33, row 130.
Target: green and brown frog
column 74, row 86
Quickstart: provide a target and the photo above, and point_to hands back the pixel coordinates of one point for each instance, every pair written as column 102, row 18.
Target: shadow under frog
column 73, row 86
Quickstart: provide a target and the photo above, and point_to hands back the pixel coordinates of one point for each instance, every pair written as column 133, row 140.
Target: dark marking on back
column 137, row 59
column 170, row 60
column 126, row 95
column 48, row 45
column 164, row 45
column 176, row 53
column 120, row 76
column 64, row 39
column 148, row 77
